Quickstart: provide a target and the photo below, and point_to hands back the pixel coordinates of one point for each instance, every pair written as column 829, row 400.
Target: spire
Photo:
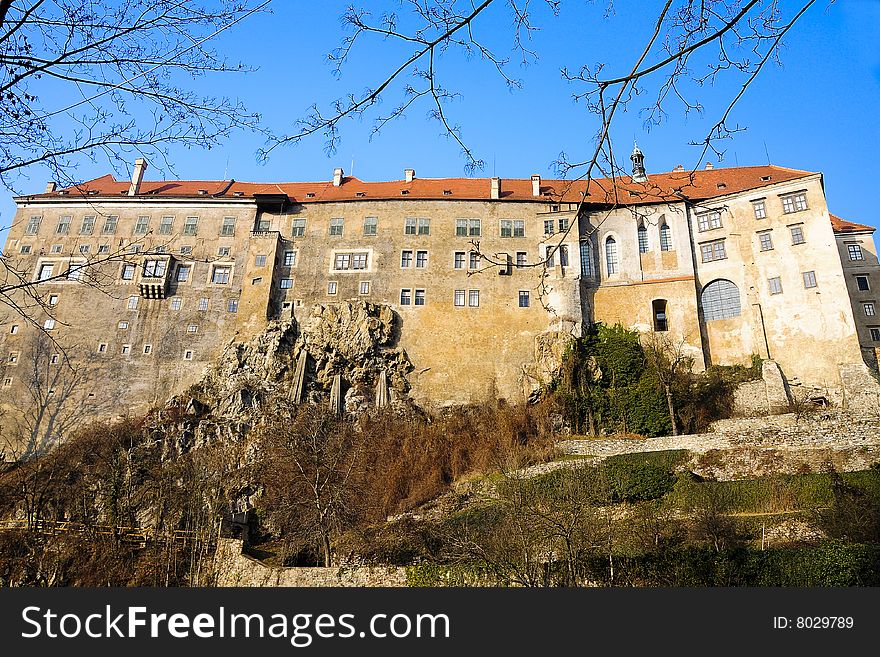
column 638, row 160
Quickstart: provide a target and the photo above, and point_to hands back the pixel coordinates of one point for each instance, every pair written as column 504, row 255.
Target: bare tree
column 87, row 79
column 669, row 359
column 311, row 468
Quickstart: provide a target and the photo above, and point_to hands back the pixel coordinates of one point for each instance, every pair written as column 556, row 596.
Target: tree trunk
column 668, row 389
column 325, row 539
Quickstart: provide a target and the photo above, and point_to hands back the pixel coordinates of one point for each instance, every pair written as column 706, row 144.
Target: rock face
column 356, row 340
column 550, row 349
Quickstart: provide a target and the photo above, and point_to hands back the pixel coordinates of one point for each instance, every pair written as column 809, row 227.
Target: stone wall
column 232, row 568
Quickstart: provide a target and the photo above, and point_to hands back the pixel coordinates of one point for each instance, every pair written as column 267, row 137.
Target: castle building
column 134, row 287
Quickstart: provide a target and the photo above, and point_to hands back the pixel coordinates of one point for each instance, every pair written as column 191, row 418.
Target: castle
column 129, row 289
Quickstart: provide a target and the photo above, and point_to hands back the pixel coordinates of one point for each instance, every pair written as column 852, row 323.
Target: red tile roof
column 843, row 226
column 671, row 186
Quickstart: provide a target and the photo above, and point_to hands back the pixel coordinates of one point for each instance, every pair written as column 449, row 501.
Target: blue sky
column 813, row 112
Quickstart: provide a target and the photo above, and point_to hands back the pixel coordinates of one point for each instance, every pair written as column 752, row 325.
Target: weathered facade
column 139, row 286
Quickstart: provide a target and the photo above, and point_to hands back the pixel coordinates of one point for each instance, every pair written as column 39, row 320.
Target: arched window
column 665, row 237
column 658, row 309
column 611, row 255
column 586, row 260
column 720, row 300
column 643, row 239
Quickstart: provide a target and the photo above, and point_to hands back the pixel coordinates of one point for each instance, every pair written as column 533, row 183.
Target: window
column 665, row 238
column 713, row 251
column 13, row 357
column 337, row 224
column 467, row 227
column 513, row 228
column 84, row 248
column 611, row 256
column 563, row 255
column 459, row 298
column 25, row 249
column 794, row 202
column 228, row 227
column 760, row 210
column 165, row 225
column 797, row 235
column 658, row 310
column 88, row 226
column 56, row 248
column 188, row 354
column 809, row 279
column 473, row 298
column 220, row 275
column 33, row 226
column 49, row 324
column 104, row 248
column 424, row 226
column 192, row 328
column 550, row 255
column 13, row 329
column 134, row 248
column 126, row 349
column 154, row 268
column 102, row 348
column 141, row 225
column 53, row 299
column 290, row 258
column 720, row 300
column 183, row 272
column 7, row 381
column 775, row 285
column 298, row 228
column 176, row 302
column 342, row 261
column 203, row 304
column 862, row 283
column 223, row 251
column 263, row 225
column 643, row 239
column 332, row 287
column 548, row 226
column 110, row 225
column 409, row 226
column 63, row 225
column 563, row 225
column 421, row 259
column 473, row 260
column 420, row 297
column 286, row 283
column 523, row 298
column 365, row 287
column 191, row 226
column 359, row 261
column 257, row 281
column 459, row 260
column 870, row 311
column 875, row 334
column 371, row 225
column 260, row 261
column 766, row 241
column 132, row 303
column 708, row 220
column 405, row 297
column 232, row 306
column 54, row 359
column 586, row 259
column 148, row 349
column 855, row 252
column 45, row 272
column 406, row 259
column 521, row 258
column 75, row 271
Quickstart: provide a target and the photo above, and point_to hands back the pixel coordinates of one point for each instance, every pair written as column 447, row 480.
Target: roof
column 671, row 186
column 843, row 226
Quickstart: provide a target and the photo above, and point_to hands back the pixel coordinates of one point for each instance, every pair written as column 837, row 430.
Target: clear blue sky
column 814, row 112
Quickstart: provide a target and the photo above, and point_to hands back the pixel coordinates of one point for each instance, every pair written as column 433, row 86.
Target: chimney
column 709, row 166
column 496, row 188
column 137, row 176
column 409, row 174
column 679, row 167
column 536, row 185
column 337, row 176
column 50, row 187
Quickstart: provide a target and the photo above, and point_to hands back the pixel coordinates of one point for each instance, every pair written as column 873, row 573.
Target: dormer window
column 404, row 192
column 447, row 192
column 360, row 194
column 765, row 178
column 721, row 185
column 310, row 195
